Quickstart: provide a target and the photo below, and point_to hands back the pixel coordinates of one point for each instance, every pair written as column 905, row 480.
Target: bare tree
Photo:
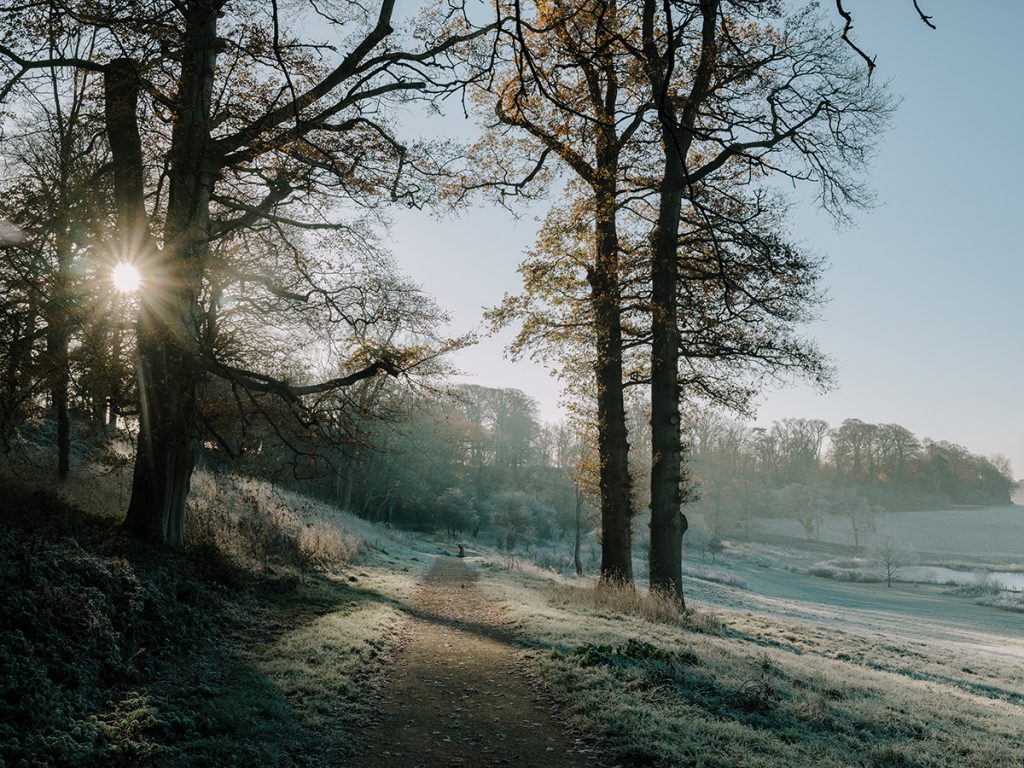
column 580, row 466
column 562, row 86
column 50, row 189
column 892, row 556
column 580, row 85
column 749, row 104
column 859, row 510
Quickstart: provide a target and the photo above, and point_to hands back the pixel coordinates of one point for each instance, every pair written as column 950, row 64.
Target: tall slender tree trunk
column 668, row 523
column 57, row 352
column 58, row 333
column 612, row 438
column 58, row 338
column 576, row 559
column 344, row 477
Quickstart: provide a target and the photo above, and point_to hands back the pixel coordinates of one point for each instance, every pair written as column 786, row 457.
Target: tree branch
column 258, row 382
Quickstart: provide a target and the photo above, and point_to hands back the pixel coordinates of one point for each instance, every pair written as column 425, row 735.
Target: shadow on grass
column 116, row 652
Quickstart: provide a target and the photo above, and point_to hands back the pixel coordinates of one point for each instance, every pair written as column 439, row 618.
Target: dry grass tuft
column 848, row 569
column 705, row 622
column 254, row 523
column 623, row 599
column 322, row 545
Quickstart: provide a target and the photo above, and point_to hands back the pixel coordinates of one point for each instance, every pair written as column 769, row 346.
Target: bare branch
column 847, row 26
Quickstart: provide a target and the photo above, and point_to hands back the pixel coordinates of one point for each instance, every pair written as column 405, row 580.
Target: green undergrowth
column 658, row 691
column 114, row 653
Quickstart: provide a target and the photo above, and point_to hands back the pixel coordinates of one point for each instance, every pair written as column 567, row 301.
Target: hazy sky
column 926, row 317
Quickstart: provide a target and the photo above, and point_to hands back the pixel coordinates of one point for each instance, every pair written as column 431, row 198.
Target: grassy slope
column 751, row 691
column 115, row 654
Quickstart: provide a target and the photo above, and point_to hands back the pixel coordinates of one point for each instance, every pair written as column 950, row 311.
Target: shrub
column 985, row 586
column 75, row 626
column 1008, row 601
column 854, row 569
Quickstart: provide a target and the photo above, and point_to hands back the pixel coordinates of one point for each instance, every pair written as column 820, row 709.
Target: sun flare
column 126, row 277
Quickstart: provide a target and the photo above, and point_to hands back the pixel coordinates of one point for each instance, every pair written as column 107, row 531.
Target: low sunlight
column 126, row 277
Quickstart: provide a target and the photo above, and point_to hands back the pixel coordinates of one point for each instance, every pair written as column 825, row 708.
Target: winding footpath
column 458, row 694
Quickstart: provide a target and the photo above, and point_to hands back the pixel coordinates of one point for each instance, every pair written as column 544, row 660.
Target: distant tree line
column 475, row 462
column 805, row 469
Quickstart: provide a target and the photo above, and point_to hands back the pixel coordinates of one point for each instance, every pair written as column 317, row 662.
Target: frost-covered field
column 754, row 680
column 989, row 535
column 976, row 555
column 777, row 667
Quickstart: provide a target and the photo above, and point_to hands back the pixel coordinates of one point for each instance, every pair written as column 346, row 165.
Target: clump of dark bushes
column 78, row 630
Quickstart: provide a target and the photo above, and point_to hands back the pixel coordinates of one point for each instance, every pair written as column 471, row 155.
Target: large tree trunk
column 165, row 455
column 612, row 438
column 667, row 520
column 167, row 331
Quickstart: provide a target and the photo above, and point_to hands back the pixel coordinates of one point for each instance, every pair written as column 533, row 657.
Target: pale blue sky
column 926, row 318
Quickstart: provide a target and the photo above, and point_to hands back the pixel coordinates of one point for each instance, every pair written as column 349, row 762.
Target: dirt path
column 458, row 695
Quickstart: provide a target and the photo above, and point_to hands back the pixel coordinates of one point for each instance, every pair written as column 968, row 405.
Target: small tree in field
column 891, row 556
column 700, row 537
column 715, row 547
column 860, row 512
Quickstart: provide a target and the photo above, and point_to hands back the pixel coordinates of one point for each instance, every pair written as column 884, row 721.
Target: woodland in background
column 478, row 464
column 805, row 469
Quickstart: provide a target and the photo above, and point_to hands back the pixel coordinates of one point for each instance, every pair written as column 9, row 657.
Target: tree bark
column 667, row 520
column 668, row 523
column 612, row 438
column 57, row 352
column 58, row 338
column 577, row 561
column 164, row 456
column 59, row 328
